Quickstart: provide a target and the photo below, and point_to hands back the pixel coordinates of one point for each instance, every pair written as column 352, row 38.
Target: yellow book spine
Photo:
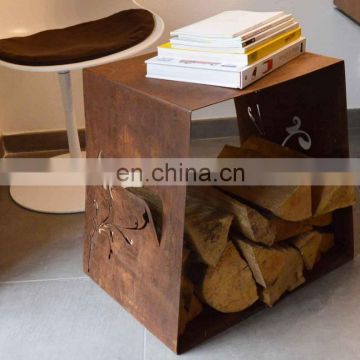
column 166, row 46
column 274, row 45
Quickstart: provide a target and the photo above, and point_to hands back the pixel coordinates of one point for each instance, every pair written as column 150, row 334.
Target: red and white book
column 218, row 73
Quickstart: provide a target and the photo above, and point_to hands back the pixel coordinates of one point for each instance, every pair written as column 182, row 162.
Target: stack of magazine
column 232, row 49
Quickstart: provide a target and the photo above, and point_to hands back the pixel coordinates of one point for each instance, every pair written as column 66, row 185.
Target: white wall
column 31, row 102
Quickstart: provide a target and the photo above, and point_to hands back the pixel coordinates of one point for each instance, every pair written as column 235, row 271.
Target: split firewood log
column 246, row 219
column 190, row 306
column 327, row 242
column 277, row 269
column 229, row 286
column 292, row 203
column 288, row 280
column 330, row 198
column 207, row 230
column 312, row 245
column 266, row 263
column 287, row 229
column 324, row 198
column 321, row 220
column 258, row 226
column 309, row 245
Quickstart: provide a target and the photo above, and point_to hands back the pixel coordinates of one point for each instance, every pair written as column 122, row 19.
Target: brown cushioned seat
column 87, row 41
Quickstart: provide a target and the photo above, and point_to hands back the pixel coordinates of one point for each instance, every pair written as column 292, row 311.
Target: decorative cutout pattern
column 304, row 138
column 108, row 227
column 258, row 123
column 151, row 215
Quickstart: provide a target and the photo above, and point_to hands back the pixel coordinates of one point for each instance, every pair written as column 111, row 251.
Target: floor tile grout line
column 43, row 280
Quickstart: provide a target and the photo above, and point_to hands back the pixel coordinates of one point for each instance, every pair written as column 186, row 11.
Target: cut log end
column 277, row 269
column 247, row 220
column 292, row 203
column 289, row 278
column 287, row 229
column 321, row 220
column 207, row 229
column 265, row 262
column 309, row 246
column 229, row 287
column 276, row 232
column 330, row 198
column 324, row 198
column 327, row 242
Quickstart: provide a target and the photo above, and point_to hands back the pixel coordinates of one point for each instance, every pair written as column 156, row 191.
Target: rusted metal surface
column 129, row 116
column 307, row 114
column 131, row 74
column 350, row 8
column 144, row 276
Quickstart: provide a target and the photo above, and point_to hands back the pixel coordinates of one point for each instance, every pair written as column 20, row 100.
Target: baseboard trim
column 227, row 127
column 354, row 118
column 38, row 142
column 2, row 147
column 55, row 142
column 214, row 128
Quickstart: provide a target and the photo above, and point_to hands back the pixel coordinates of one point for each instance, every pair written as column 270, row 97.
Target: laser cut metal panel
column 301, row 105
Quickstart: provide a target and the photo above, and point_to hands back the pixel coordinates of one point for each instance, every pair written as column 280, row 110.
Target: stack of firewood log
column 244, row 244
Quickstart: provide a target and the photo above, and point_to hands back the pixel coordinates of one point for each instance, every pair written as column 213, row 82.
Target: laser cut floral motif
column 304, row 138
column 151, row 215
column 108, row 227
column 258, row 123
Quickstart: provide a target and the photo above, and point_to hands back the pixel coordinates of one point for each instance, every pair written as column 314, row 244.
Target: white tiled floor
column 318, row 322
column 74, row 319
column 65, row 319
column 38, row 246
column 49, row 310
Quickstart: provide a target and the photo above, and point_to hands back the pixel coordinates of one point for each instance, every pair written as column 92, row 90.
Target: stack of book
column 232, row 49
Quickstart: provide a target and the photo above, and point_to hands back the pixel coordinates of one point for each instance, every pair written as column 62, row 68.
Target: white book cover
column 228, row 24
column 235, row 42
column 244, row 37
column 206, row 56
column 238, row 49
column 221, row 73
